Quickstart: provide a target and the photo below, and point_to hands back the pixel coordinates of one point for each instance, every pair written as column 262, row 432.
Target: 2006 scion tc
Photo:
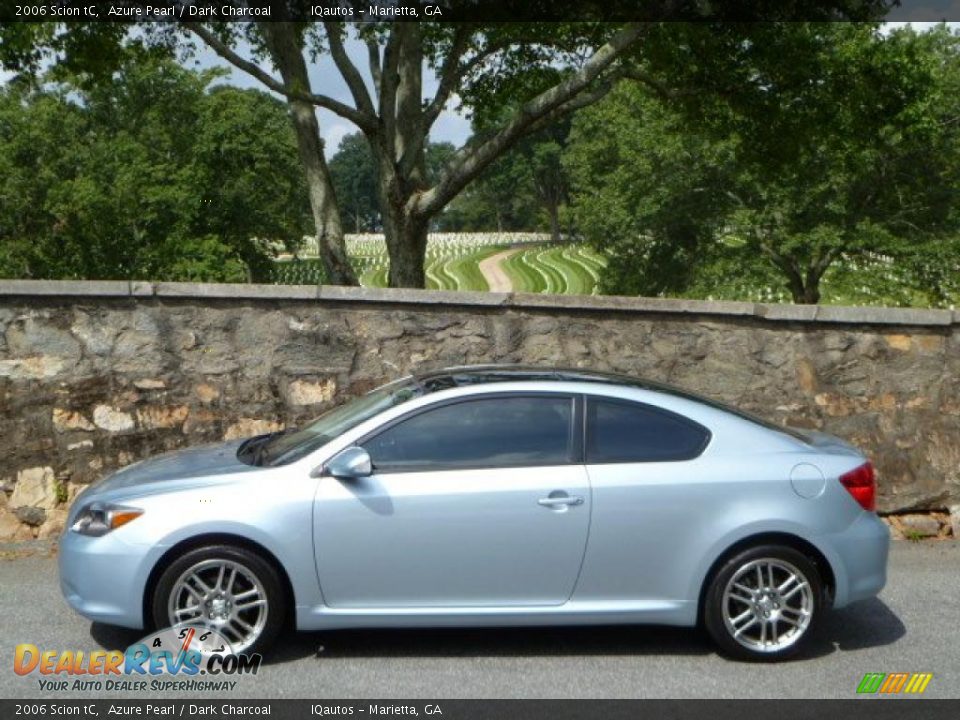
column 489, row 496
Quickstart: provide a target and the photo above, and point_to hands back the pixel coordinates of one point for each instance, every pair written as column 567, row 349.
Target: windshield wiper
column 246, row 446
column 261, row 451
column 256, row 447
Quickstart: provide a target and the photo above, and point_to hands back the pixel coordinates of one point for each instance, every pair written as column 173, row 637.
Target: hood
column 195, row 462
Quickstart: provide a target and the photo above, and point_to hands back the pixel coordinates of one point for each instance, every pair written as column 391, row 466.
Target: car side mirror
column 349, row 464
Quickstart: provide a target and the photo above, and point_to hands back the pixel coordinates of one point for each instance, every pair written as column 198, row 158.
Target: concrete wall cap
column 449, row 298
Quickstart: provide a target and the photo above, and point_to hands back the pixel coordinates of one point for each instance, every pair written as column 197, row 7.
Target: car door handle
column 557, row 501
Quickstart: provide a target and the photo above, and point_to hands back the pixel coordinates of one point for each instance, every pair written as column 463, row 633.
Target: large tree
column 150, row 176
column 551, row 69
column 396, row 120
column 544, row 70
column 823, row 142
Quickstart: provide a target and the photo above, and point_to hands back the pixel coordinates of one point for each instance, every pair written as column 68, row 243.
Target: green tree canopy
column 153, row 176
column 842, row 143
column 544, row 71
column 354, row 174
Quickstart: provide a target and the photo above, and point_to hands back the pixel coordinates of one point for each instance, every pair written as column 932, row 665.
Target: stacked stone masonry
column 95, row 375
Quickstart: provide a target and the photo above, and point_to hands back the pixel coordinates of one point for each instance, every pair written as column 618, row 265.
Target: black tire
column 748, row 648
column 254, row 563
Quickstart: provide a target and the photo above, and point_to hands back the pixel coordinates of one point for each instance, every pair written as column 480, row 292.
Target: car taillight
column 862, row 484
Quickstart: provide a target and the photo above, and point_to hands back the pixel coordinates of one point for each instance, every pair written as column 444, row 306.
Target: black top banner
column 474, row 10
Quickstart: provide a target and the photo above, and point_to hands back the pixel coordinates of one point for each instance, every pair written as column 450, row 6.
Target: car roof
column 466, row 375
column 469, row 375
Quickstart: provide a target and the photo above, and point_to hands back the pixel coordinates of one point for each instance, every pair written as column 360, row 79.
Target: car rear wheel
column 230, row 589
column 763, row 603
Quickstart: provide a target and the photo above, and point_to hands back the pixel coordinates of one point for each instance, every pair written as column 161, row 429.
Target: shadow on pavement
column 867, row 624
column 491, row 642
column 110, row 637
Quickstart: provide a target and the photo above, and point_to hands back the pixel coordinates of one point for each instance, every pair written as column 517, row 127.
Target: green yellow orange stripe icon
column 893, row 683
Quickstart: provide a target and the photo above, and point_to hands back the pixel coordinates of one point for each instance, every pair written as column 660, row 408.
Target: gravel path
column 493, row 272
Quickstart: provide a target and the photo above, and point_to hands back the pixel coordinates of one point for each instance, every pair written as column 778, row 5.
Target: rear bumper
column 860, row 559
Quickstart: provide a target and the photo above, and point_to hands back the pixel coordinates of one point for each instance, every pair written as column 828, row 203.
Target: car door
column 653, row 496
column 481, row 501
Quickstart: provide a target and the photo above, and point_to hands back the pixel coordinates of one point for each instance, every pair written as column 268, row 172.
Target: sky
column 325, row 79
column 924, row 10
column 451, row 126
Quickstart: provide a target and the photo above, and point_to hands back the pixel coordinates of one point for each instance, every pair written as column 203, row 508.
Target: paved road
column 912, row 627
column 493, row 271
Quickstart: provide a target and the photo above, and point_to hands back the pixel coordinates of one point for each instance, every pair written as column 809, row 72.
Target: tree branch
column 470, row 161
column 662, row 91
column 439, row 101
column 579, row 101
column 373, row 60
column 358, row 89
column 449, row 74
column 789, row 268
column 360, row 119
column 409, row 127
column 389, row 80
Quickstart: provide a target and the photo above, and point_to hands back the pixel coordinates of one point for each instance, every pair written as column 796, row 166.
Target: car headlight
column 96, row 519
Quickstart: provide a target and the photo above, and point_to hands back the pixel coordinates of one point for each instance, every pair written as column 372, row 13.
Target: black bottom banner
column 875, row 709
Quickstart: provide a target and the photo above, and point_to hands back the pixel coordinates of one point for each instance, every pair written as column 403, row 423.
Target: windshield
column 287, row 447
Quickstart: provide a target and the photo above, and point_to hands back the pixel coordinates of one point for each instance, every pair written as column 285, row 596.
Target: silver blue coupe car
column 489, row 496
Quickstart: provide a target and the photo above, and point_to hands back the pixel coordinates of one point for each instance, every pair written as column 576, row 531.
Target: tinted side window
column 621, row 431
column 489, row 432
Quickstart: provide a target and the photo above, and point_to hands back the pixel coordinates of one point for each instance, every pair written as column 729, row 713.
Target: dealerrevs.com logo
column 894, row 683
column 170, row 659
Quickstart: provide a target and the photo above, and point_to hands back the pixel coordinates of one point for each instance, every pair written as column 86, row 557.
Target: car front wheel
column 763, row 603
column 226, row 588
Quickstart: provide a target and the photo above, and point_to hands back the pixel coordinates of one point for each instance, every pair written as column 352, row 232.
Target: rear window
column 619, row 431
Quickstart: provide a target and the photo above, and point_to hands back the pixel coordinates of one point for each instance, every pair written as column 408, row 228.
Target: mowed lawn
column 454, row 264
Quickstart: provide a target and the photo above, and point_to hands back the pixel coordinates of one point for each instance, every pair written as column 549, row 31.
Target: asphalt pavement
column 911, row 627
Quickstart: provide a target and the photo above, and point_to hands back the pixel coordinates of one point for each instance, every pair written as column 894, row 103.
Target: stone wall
column 96, row 375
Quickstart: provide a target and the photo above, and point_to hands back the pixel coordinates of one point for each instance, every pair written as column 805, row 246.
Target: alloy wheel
column 220, row 594
column 768, row 605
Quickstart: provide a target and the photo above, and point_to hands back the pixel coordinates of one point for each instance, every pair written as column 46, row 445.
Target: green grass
column 523, row 276
column 562, row 269
column 575, row 270
column 460, row 273
column 375, row 277
column 298, row 272
column 566, row 269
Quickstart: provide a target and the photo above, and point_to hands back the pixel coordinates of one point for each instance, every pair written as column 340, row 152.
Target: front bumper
column 860, row 559
column 103, row 578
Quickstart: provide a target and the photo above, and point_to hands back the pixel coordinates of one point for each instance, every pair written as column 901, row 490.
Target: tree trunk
column 804, row 291
column 407, row 246
column 804, row 287
column 288, row 58
column 811, row 287
column 553, row 212
column 404, row 229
